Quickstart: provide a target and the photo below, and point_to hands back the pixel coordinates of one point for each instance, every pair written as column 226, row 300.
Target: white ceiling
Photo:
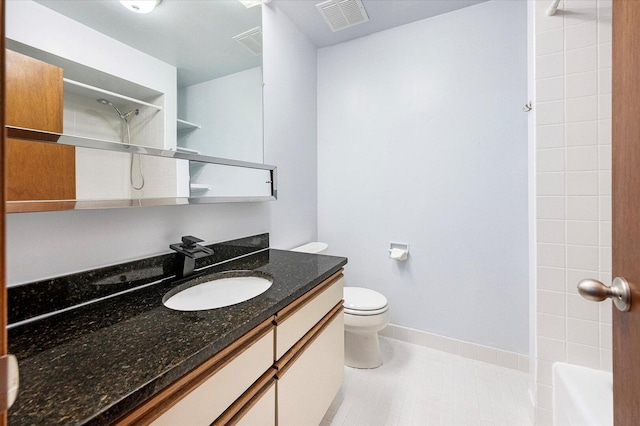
column 383, row 14
column 193, row 35
column 207, row 51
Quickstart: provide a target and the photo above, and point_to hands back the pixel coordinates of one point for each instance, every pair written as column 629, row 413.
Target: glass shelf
column 83, row 88
column 186, row 125
column 259, row 179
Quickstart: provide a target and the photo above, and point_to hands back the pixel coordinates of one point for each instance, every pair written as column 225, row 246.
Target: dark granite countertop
column 92, row 364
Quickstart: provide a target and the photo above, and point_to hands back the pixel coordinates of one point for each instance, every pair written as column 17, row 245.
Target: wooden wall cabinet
column 284, row 372
column 34, row 93
column 34, row 96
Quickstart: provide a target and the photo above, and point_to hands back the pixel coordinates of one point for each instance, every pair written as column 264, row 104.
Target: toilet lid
column 365, row 313
column 360, row 299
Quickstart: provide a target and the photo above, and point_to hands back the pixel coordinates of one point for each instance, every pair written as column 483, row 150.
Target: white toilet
column 365, row 313
column 314, row 248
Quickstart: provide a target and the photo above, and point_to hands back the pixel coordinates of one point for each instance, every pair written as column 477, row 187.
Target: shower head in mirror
column 104, row 101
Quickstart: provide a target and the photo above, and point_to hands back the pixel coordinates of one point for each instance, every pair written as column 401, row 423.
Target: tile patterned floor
column 420, row 386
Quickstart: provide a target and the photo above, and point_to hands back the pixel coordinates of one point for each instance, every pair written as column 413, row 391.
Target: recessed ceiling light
column 140, row 6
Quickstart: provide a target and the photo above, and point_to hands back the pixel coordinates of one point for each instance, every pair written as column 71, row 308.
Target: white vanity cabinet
column 307, row 386
column 210, row 399
column 310, row 368
column 221, row 386
column 284, row 372
column 297, row 319
column 263, row 412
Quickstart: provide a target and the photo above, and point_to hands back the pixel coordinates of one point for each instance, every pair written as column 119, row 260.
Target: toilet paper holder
column 398, row 251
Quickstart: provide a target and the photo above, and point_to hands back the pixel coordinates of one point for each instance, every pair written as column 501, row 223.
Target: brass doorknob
column 597, row 291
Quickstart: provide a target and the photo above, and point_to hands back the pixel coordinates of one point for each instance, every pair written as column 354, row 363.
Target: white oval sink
column 217, row 292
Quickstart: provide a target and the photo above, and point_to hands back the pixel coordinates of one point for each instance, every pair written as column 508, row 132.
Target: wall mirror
column 174, row 89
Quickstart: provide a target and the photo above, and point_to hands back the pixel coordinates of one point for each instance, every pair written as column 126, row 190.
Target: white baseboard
column 482, row 353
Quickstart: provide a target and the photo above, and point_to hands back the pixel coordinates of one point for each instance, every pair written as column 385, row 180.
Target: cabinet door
column 34, row 96
column 40, row 171
column 263, row 412
column 308, row 386
column 297, row 319
column 205, row 403
column 34, row 93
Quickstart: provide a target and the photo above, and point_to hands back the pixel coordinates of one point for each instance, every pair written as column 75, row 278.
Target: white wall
column 573, row 150
column 422, row 139
column 230, row 181
column 531, row 135
column 290, row 128
column 41, row 245
column 229, row 109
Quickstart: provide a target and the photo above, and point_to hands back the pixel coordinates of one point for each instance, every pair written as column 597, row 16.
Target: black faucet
column 188, row 251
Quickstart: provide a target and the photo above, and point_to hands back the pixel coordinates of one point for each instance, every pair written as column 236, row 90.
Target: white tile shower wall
column 102, row 174
column 573, row 166
column 83, row 116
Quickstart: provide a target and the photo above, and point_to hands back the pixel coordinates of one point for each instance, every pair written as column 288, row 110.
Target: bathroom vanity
column 127, row 359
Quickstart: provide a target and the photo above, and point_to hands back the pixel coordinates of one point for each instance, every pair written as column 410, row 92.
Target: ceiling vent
column 341, row 14
column 251, row 39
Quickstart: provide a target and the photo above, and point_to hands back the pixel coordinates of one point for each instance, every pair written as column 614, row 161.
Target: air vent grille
column 341, row 14
column 251, row 39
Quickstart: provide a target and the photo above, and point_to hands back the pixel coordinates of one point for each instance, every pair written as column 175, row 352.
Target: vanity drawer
column 202, row 395
column 263, row 413
column 257, row 407
column 210, row 399
column 294, row 321
column 309, row 380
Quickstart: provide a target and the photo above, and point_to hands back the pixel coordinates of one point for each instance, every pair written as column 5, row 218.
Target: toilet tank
column 314, row 247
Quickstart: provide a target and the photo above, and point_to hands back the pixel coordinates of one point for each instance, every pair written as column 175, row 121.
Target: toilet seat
column 363, row 301
column 364, row 313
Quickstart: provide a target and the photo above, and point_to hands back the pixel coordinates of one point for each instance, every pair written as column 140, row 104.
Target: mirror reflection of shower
column 125, row 120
